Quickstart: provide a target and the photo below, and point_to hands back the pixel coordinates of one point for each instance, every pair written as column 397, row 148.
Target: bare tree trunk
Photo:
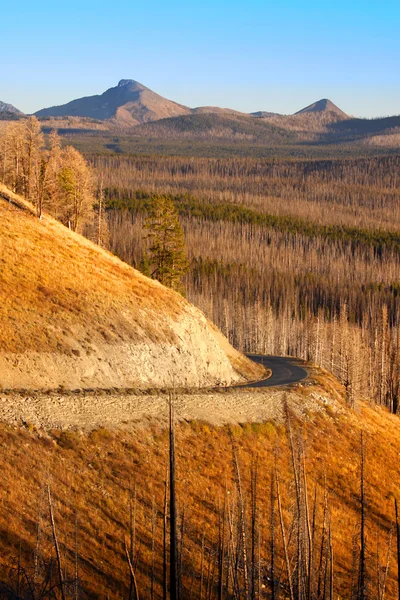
column 173, row 549
column 132, row 572
column 165, row 528
column 361, row 595
column 323, row 545
column 232, row 556
column 253, row 529
column 285, row 545
column 272, row 543
column 56, row 546
column 242, row 523
column 132, row 531
column 310, row 570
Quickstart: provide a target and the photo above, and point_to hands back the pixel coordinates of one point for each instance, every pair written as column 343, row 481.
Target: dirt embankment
column 74, row 316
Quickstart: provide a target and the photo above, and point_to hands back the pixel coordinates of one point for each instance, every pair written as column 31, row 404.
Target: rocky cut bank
column 74, row 316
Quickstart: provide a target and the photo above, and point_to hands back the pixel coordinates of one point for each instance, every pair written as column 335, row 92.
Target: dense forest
column 216, row 142
column 287, row 257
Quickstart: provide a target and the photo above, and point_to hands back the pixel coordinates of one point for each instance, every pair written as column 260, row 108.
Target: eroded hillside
column 74, row 316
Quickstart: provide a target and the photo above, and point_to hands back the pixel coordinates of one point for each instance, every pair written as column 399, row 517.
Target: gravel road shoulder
column 90, row 411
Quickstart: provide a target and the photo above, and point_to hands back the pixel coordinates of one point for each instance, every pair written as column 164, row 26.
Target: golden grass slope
column 73, row 315
column 96, row 474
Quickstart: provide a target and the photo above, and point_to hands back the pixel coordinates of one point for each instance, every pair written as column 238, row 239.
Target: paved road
column 284, row 370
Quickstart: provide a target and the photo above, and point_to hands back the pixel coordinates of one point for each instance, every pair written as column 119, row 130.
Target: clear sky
column 248, row 55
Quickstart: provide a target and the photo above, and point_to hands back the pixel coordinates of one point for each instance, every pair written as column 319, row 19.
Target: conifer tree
column 167, row 251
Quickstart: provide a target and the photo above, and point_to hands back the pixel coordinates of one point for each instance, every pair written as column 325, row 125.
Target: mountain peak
column 323, row 105
column 124, row 82
column 128, row 103
column 9, row 108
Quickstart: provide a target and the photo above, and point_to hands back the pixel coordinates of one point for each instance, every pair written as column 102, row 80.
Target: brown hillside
column 73, row 315
column 9, row 109
column 129, row 103
column 95, row 475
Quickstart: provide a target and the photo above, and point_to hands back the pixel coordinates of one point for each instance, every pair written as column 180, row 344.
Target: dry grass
column 95, row 473
column 64, row 295
column 56, row 286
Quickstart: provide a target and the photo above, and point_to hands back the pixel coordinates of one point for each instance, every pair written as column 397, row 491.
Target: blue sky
column 254, row 55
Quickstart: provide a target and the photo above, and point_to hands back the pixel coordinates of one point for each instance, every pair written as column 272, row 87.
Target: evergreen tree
column 167, row 252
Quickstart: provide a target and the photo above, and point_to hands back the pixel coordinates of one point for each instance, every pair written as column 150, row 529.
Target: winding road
column 285, row 371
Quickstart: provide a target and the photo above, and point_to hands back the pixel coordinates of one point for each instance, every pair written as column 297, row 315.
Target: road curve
column 285, row 371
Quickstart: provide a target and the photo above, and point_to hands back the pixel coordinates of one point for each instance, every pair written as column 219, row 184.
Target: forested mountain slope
column 287, row 257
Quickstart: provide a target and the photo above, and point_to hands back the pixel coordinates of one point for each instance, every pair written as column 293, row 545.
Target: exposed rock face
column 193, row 358
column 72, row 315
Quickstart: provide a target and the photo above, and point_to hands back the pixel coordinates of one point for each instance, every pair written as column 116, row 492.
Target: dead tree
column 362, row 592
column 56, row 545
column 173, row 547
column 241, row 516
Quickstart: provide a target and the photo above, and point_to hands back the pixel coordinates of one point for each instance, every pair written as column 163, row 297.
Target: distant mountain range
column 131, row 103
column 131, row 109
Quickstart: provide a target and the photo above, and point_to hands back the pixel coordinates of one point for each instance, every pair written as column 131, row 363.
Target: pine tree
column 167, row 252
